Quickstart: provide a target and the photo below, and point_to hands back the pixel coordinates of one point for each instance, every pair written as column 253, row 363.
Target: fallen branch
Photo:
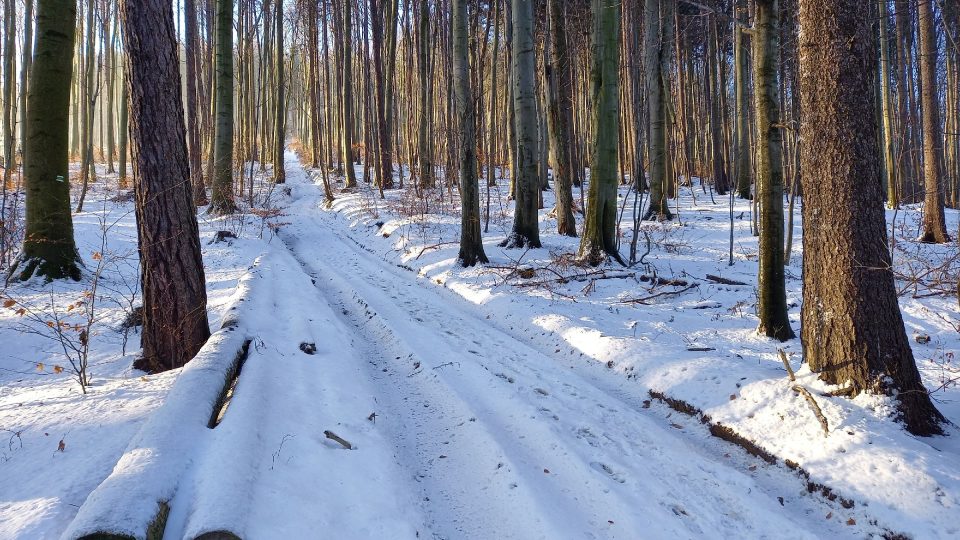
column 786, row 364
column 816, row 408
column 723, row 281
column 646, row 299
column 343, row 442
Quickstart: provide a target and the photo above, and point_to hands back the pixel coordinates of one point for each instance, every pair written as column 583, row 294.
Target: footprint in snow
column 607, row 470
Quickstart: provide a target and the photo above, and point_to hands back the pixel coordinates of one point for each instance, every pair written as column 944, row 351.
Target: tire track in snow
column 507, row 442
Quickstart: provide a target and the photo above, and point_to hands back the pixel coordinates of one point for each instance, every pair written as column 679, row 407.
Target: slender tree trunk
column 471, row 243
column 890, row 168
column 193, row 121
column 280, row 120
column 654, row 50
column 774, row 320
column 600, row 222
column 123, row 126
column 172, row 279
column 526, row 231
column 221, row 200
column 558, row 82
column 25, row 67
column 742, row 129
column 934, row 225
column 10, row 47
column 847, row 288
column 346, row 98
column 48, row 248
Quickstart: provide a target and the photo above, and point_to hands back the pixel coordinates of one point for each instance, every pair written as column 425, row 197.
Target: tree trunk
column 172, row 280
column 774, row 321
column 558, row 79
column 886, row 111
column 654, row 55
column 742, row 129
column 471, row 243
column 123, row 127
column 25, row 67
column 193, row 120
column 934, row 225
column 280, row 120
column 221, row 199
column 526, row 230
column 346, row 98
column 847, row 286
column 600, row 225
column 48, row 248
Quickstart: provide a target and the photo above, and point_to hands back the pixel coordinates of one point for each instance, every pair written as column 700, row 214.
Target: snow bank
column 133, row 500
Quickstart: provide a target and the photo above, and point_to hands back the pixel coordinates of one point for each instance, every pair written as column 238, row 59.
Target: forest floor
column 506, row 401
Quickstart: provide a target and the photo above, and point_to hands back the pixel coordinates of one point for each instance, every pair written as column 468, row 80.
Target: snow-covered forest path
column 489, row 437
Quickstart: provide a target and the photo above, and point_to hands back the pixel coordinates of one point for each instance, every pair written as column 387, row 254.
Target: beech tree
column 174, row 290
column 847, row 288
column 471, row 243
column 600, row 227
column 772, row 309
column 526, row 228
column 48, row 248
column 221, row 200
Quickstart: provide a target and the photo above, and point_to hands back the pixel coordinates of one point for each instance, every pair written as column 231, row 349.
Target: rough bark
column 48, row 248
column 471, row 243
column 172, row 279
column 852, row 328
column 772, row 309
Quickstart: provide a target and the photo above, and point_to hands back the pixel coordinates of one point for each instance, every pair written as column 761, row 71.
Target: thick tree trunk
column 221, row 199
column 48, row 248
column 471, row 243
column 560, row 103
column 172, row 280
column 526, row 230
column 774, row 321
column 934, row 225
column 600, row 225
column 847, row 288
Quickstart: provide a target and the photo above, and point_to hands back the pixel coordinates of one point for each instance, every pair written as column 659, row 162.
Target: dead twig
column 816, row 408
column 723, row 281
column 786, row 364
column 646, row 299
column 343, row 442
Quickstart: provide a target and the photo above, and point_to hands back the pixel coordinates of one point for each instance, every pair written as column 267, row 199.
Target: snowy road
column 489, row 438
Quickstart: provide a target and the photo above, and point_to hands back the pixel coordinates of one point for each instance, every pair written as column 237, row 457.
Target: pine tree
column 172, row 279
column 847, row 290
